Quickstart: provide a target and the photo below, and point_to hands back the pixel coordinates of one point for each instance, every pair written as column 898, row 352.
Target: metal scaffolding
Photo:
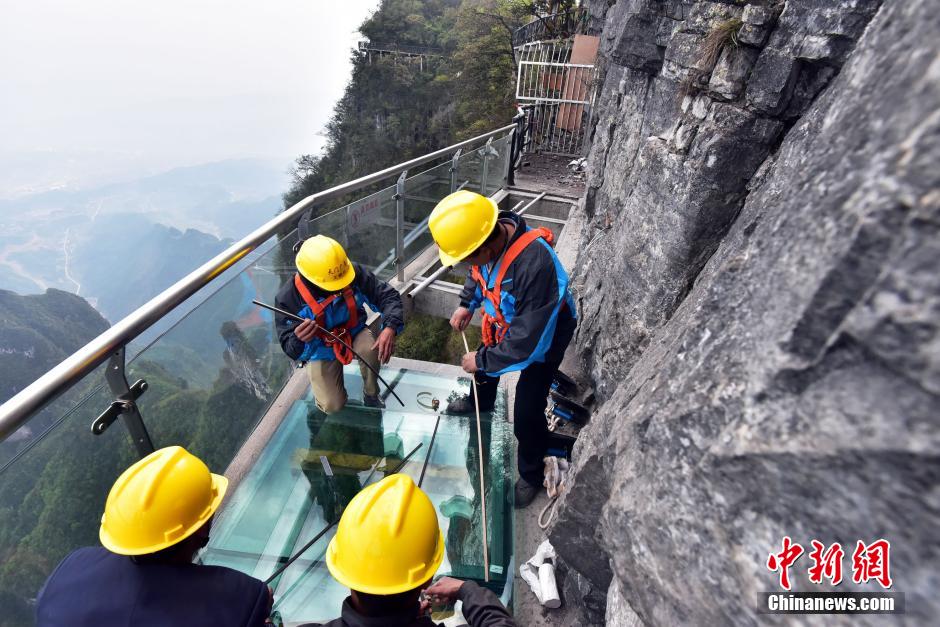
column 557, row 96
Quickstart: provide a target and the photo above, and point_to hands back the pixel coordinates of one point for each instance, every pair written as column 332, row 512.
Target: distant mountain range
column 120, row 244
column 226, row 198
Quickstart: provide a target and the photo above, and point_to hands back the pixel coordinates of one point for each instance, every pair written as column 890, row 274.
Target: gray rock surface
column 618, row 610
column 683, row 129
column 759, row 295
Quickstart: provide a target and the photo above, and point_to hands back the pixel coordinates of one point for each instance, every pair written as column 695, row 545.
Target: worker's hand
column 444, row 591
column 469, row 362
column 460, row 318
column 385, row 344
column 424, row 608
column 305, row 330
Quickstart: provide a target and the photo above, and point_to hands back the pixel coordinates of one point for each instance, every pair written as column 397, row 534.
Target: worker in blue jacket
column 528, row 315
column 329, row 291
column 157, row 516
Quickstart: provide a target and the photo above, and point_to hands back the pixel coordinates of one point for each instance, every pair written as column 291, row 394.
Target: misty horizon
column 106, row 92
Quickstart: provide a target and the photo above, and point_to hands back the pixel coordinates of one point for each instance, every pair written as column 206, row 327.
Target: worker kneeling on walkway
column 528, row 315
column 330, row 291
column 156, row 518
column 386, row 549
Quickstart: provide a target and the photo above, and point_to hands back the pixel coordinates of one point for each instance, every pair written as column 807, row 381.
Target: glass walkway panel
column 314, row 464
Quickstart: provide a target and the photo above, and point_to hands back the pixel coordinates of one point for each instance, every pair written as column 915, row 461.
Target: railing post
column 125, row 405
column 509, row 173
column 400, row 226
column 453, row 170
column 485, row 153
column 516, row 145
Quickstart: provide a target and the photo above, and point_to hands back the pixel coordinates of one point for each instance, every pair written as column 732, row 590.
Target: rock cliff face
column 765, row 343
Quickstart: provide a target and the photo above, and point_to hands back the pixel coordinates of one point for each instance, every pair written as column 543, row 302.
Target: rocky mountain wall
column 759, row 301
column 38, row 331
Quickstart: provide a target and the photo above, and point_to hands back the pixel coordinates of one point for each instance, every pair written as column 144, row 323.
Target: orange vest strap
column 342, row 353
column 516, row 249
column 493, row 336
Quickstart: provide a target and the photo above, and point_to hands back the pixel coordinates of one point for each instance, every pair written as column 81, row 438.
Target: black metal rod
column 323, row 531
column 284, row 566
column 335, row 339
column 427, row 457
column 404, row 461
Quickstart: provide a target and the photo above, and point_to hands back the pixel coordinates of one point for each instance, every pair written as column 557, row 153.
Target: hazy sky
column 173, row 81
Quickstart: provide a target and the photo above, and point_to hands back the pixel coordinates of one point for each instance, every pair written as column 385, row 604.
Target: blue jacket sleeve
column 288, row 300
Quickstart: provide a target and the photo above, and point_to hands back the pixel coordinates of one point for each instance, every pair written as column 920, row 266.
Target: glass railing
column 214, row 374
column 210, row 379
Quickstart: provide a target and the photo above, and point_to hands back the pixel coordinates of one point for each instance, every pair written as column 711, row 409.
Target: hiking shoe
column 525, row 493
column 463, row 406
column 373, row 401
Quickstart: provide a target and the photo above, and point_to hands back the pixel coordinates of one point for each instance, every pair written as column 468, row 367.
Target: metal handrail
column 562, row 24
column 20, row 408
column 428, row 51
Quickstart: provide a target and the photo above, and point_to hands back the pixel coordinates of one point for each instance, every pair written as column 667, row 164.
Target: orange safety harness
column 496, row 327
column 343, row 353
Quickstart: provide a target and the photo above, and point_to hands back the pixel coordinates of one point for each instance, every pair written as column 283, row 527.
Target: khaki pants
column 326, row 377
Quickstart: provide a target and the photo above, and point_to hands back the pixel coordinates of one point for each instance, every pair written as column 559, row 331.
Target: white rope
column 556, row 473
column 476, row 403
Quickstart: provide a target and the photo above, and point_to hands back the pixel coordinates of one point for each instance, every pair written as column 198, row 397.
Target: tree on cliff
column 396, row 107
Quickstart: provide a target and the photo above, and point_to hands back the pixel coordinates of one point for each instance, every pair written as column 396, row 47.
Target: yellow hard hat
column 460, row 223
column 388, row 540
column 322, row 261
column 159, row 501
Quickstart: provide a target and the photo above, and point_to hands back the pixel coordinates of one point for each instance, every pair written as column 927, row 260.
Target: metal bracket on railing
column 400, row 226
column 485, row 153
column 453, row 170
column 125, row 406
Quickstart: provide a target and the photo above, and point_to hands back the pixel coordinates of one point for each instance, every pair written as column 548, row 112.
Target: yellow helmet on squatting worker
column 388, row 540
column 159, row 501
column 460, row 223
column 322, row 261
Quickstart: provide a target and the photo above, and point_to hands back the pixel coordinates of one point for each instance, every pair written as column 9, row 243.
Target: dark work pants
column 529, row 424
